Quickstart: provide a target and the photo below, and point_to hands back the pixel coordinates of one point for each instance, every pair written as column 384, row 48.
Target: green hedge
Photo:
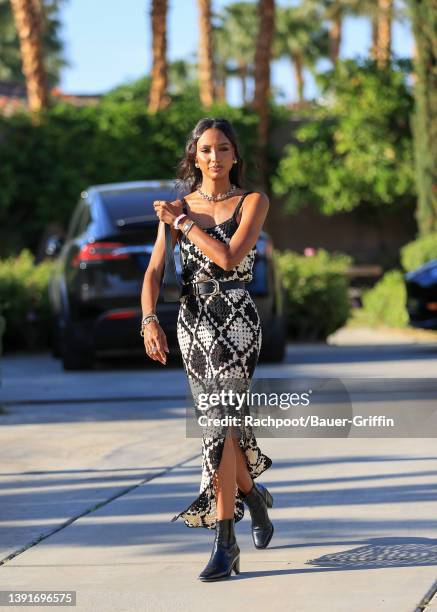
column 24, row 301
column 317, row 292
column 384, row 304
column 44, row 168
column 418, row 252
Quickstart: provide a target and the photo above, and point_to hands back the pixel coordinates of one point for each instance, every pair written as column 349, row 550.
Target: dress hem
column 269, row 463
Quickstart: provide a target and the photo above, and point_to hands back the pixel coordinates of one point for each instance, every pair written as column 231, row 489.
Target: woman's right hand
column 154, row 338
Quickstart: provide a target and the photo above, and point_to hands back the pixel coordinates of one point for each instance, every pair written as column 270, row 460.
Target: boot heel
column 225, row 555
column 236, row 567
column 269, row 499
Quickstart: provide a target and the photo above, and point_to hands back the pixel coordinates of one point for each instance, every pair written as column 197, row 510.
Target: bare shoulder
column 258, row 201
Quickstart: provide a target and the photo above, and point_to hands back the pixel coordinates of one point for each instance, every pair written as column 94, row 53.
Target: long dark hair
column 189, row 178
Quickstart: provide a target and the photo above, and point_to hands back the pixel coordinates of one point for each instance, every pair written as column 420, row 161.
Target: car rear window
column 134, row 205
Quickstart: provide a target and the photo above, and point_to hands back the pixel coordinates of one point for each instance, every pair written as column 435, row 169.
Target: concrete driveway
column 94, row 465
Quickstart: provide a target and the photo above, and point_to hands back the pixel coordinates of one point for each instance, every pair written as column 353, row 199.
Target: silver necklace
column 219, row 196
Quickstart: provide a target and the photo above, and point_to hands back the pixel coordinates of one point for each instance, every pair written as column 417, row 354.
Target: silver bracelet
column 145, row 320
column 150, row 317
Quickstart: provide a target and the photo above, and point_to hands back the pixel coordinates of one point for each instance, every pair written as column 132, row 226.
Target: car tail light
column 122, row 314
column 100, row 251
column 431, row 306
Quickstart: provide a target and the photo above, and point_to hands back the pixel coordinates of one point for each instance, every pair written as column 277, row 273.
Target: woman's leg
column 232, row 469
column 225, row 478
column 244, row 479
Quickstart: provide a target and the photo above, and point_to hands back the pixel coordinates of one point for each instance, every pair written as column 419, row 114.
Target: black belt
column 210, row 287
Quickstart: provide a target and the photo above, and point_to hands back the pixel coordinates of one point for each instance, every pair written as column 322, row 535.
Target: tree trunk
column 414, row 59
column 221, row 87
column 335, row 36
column 206, row 64
column 243, row 76
column 424, row 20
column 28, row 18
column 296, row 58
column 375, row 26
column 385, row 17
column 158, row 91
column 263, row 53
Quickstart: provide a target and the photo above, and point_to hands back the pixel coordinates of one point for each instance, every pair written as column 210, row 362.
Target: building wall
column 367, row 240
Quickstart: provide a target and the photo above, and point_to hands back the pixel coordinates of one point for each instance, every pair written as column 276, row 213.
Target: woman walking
column 219, row 333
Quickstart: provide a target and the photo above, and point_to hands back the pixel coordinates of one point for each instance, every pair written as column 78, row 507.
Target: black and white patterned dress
column 220, row 338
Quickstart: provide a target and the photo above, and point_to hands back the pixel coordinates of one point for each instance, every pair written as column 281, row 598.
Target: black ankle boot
column 258, row 500
column 225, row 555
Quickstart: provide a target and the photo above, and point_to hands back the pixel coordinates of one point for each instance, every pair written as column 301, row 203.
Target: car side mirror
column 53, row 246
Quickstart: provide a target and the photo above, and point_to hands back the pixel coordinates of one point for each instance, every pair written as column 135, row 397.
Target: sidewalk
column 371, row 336
column 92, row 473
column 355, row 529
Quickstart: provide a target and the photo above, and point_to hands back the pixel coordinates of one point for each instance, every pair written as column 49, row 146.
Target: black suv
column 421, row 287
column 96, row 285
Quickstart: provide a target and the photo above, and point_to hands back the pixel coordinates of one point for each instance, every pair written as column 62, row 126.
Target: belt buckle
column 209, row 280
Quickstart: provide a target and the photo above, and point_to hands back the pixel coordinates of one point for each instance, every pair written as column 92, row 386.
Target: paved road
column 94, row 465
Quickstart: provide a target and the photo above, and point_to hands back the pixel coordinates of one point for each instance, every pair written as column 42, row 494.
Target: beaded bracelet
column 176, row 221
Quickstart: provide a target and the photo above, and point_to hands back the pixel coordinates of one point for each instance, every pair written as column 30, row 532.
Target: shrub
column 356, row 148
column 24, row 300
column 384, row 304
column 418, row 252
column 44, row 168
column 317, row 292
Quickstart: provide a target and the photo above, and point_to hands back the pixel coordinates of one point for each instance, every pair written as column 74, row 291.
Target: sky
column 108, row 43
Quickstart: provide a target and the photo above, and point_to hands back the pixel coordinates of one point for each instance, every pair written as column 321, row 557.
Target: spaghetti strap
column 237, row 208
column 236, row 211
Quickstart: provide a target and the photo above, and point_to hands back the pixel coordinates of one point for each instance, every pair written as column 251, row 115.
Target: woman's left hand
column 167, row 211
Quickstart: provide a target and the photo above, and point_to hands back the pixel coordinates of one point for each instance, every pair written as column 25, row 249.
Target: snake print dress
column 220, row 339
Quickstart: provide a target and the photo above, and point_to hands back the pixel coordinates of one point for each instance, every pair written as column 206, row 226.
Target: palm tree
column 221, row 57
column 300, row 37
column 382, row 36
column 381, row 17
column 206, row 65
column 183, row 77
column 381, row 13
column 235, row 36
column 334, row 13
column 263, row 55
column 10, row 56
column 28, row 18
column 158, row 93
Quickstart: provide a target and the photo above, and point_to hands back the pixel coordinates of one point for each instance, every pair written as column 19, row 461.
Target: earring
column 196, row 164
column 235, row 161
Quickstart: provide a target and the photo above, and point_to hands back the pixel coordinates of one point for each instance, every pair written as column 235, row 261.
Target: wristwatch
column 187, row 226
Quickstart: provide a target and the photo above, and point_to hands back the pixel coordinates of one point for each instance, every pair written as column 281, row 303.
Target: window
column 79, row 221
